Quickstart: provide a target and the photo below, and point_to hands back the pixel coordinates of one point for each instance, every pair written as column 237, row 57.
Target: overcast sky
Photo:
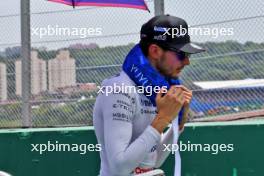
column 120, row 21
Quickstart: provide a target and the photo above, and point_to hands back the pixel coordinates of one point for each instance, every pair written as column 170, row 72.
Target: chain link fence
column 86, row 45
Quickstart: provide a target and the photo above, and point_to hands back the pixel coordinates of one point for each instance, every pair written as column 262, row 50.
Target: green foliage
column 64, row 114
column 47, row 55
column 222, row 61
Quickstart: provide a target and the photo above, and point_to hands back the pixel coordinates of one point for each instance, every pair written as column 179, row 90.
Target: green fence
column 246, row 159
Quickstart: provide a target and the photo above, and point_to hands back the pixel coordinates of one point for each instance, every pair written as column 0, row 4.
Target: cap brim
column 189, row 48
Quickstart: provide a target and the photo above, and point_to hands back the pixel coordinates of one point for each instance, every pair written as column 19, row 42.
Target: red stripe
column 139, row 170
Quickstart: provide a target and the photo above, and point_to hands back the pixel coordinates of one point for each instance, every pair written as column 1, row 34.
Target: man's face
column 170, row 63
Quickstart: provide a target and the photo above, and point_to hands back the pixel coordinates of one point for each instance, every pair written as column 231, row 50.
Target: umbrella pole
column 73, row 3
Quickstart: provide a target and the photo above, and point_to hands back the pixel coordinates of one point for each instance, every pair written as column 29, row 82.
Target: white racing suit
column 122, row 123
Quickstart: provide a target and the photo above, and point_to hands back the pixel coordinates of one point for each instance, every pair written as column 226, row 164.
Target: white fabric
column 2, row 173
column 177, row 168
column 122, row 123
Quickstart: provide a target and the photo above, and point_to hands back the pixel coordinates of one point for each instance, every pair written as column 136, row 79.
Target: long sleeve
column 118, row 114
column 166, row 138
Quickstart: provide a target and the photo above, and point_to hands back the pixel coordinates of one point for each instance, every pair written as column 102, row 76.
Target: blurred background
column 68, row 63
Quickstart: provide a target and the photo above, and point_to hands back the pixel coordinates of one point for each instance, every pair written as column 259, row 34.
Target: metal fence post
column 26, row 68
column 159, row 7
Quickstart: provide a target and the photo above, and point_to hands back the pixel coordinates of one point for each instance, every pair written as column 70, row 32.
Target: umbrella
column 137, row 4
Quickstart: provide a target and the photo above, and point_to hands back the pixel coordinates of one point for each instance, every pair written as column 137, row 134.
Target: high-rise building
column 38, row 75
column 61, row 71
column 3, row 82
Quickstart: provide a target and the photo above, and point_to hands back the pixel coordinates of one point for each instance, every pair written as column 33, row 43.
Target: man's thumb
column 159, row 94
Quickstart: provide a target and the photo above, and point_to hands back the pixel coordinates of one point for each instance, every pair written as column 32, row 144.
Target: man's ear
column 154, row 51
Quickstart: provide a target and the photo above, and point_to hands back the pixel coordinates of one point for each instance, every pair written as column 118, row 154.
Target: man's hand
column 186, row 106
column 169, row 106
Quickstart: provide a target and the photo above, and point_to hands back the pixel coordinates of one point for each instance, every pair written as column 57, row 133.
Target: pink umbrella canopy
column 137, row 4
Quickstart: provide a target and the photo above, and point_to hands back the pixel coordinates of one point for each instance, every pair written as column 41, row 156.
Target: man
column 129, row 125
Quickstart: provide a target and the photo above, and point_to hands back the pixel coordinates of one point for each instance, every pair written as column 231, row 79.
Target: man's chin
column 176, row 75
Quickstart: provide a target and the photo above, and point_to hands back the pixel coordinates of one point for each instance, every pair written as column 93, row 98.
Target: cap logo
column 160, row 29
column 160, row 37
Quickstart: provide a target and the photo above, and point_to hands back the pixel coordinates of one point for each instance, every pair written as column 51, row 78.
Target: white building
column 38, row 75
column 61, row 71
column 3, row 82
